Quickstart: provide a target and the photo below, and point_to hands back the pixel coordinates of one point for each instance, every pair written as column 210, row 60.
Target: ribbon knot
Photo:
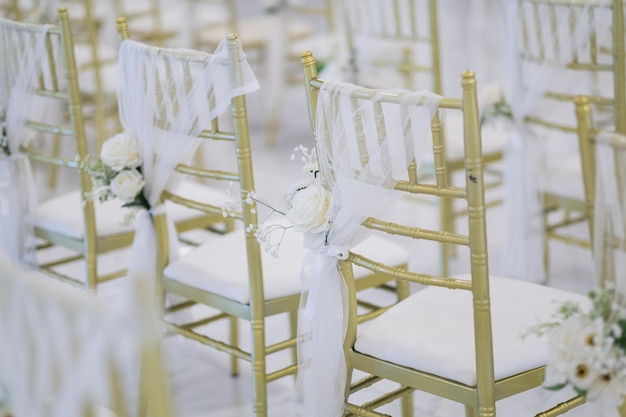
column 336, row 251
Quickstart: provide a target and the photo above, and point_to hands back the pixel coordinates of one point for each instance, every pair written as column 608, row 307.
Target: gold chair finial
column 122, row 28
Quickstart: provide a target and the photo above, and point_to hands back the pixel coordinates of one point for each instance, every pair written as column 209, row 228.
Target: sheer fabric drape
column 60, row 347
column 165, row 105
column 358, row 190
column 610, row 211
column 23, row 55
column 538, row 49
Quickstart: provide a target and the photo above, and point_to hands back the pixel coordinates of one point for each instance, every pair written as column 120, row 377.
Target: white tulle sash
column 358, row 191
column 18, row 201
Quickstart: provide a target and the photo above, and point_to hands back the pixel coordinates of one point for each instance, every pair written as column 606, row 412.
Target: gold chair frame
column 479, row 400
column 91, row 245
column 258, row 309
column 553, row 202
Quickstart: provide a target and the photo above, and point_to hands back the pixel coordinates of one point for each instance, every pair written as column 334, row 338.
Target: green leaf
column 621, row 342
column 581, row 392
column 556, row 387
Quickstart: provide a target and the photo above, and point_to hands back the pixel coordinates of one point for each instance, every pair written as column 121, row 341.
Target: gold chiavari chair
column 395, row 44
column 231, row 273
column 95, row 59
column 60, row 350
column 602, row 62
column 460, row 337
column 71, row 220
column 607, row 191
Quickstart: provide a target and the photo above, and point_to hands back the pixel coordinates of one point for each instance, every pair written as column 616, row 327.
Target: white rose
column 127, row 185
column 491, row 95
column 309, row 209
column 121, row 151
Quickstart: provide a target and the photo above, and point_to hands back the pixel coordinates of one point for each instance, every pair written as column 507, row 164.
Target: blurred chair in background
column 395, row 44
column 65, row 352
column 556, row 51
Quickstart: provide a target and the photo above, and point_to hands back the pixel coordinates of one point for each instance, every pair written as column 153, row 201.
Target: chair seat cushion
column 219, row 266
column 432, row 330
column 63, row 214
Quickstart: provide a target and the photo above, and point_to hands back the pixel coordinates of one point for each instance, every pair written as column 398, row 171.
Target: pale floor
column 200, row 376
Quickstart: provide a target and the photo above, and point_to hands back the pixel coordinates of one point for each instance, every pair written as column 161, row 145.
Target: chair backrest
column 29, row 11
column 41, row 90
column 63, row 352
column 173, row 68
column 354, row 129
column 392, row 42
column 572, row 48
column 603, row 154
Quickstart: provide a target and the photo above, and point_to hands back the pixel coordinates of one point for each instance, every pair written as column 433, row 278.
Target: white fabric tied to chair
column 525, row 155
column 65, row 353
column 358, row 190
column 183, row 111
column 610, row 210
column 22, row 61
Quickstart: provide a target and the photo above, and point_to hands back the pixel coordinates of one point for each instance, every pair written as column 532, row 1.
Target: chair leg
column 407, row 405
column 259, row 379
column 234, row 341
column 92, row 271
column 402, row 290
column 470, row 411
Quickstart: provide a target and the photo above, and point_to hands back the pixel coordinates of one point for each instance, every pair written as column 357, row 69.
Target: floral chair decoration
column 161, row 128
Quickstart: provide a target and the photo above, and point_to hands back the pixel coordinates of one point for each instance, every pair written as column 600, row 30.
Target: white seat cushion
column 63, row 214
column 219, row 266
column 565, row 178
column 432, row 330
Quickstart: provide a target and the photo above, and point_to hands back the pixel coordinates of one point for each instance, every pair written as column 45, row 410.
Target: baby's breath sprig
column 269, row 234
column 308, row 157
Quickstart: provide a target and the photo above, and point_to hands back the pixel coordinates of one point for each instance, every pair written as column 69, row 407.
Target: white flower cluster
column 493, row 104
column 309, row 202
column 116, row 174
column 587, row 350
column 307, row 210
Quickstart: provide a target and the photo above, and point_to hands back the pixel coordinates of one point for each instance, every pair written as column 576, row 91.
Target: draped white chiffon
column 166, row 109
column 23, row 58
column 557, row 35
column 358, row 190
